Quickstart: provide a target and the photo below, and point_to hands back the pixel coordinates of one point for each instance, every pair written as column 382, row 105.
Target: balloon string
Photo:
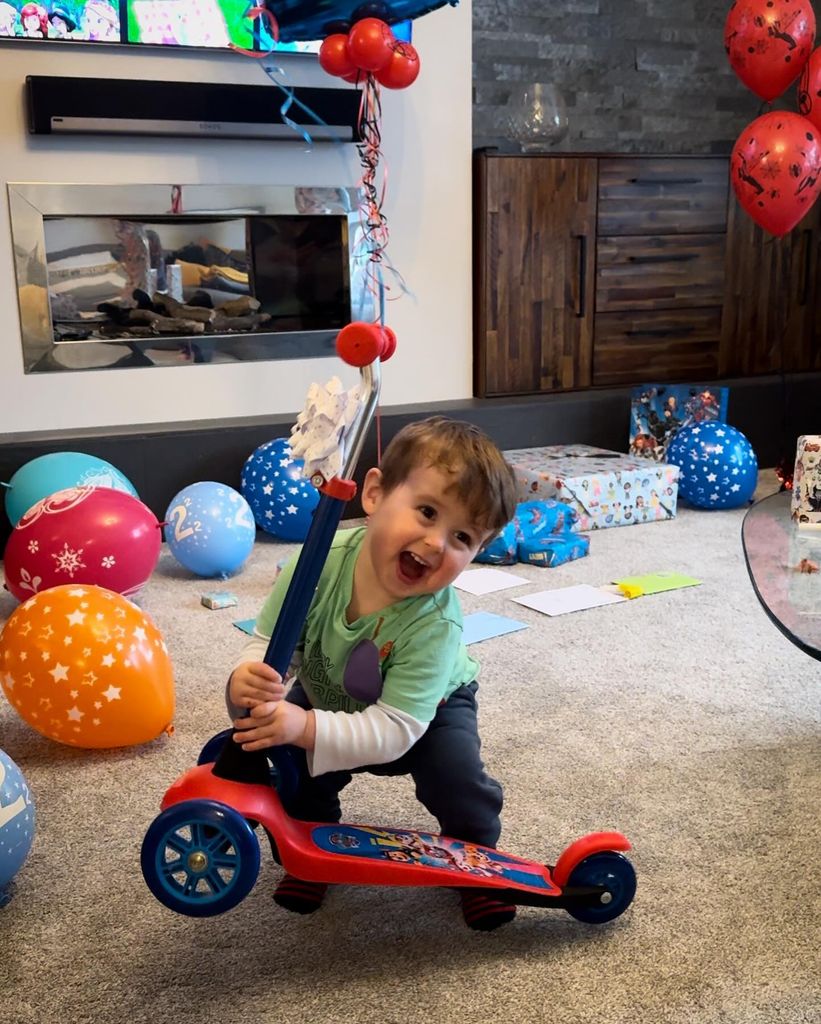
column 375, row 234
column 290, row 97
column 381, row 286
column 373, row 223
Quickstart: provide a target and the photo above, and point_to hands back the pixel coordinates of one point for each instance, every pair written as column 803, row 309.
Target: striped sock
column 298, row 896
column 483, row 912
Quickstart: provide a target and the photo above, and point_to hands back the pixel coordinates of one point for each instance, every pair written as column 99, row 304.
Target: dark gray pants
column 444, row 763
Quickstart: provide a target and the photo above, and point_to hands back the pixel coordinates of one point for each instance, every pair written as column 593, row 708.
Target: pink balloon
column 91, row 535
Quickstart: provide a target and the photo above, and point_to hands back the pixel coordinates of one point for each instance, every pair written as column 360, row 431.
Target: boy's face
column 420, row 536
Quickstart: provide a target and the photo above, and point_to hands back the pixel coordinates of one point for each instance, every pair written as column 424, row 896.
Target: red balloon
column 768, row 42
column 370, row 44
column 403, row 68
column 809, row 89
column 91, row 535
column 776, row 169
column 333, row 56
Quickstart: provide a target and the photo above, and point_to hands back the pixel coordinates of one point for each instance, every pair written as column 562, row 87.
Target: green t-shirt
column 410, row 655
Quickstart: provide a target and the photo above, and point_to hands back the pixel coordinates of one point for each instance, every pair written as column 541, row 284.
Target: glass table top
column 774, row 547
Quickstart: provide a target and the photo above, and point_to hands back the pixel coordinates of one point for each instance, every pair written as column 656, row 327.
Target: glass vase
column 535, row 117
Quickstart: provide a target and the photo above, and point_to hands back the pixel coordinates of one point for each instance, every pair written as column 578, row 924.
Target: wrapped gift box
column 605, row 488
column 538, row 534
column 554, row 550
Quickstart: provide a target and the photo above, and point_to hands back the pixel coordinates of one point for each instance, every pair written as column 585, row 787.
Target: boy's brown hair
column 484, row 481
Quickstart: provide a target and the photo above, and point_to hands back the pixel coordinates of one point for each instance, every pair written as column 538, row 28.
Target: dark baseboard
column 160, row 459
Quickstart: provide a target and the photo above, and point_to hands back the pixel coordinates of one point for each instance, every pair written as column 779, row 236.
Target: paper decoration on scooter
column 318, row 436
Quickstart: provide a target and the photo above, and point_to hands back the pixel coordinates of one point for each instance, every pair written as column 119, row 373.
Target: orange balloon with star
column 84, row 666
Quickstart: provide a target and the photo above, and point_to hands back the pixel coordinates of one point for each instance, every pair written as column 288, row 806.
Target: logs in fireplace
column 148, row 316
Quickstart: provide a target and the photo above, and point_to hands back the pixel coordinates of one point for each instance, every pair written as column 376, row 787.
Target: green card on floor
column 654, row 583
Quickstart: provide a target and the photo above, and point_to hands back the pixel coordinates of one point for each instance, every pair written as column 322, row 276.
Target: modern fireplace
column 115, row 276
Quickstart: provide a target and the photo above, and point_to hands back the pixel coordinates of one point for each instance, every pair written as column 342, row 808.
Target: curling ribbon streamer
column 290, row 98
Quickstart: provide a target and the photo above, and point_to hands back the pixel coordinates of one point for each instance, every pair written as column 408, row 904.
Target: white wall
column 426, row 147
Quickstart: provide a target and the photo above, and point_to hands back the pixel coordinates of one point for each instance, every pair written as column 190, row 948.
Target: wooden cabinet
column 660, row 267
column 534, row 250
column 614, row 270
column 772, row 303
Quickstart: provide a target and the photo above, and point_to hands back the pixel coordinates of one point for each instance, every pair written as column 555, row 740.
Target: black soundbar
column 119, row 106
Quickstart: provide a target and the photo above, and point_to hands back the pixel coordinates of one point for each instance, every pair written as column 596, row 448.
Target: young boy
column 385, row 683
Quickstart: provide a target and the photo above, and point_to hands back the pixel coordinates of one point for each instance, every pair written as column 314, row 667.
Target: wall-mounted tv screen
column 209, row 24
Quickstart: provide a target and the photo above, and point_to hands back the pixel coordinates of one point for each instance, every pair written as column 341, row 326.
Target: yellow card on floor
column 654, row 583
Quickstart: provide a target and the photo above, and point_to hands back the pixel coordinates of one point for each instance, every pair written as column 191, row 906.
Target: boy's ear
column 371, row 491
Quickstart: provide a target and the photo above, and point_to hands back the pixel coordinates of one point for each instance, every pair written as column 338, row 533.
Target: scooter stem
column 307, row 571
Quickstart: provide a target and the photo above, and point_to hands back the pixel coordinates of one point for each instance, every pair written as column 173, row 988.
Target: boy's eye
column 427, row 511
column 464, row 538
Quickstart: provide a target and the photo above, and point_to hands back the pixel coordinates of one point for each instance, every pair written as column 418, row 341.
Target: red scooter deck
column 365, row 854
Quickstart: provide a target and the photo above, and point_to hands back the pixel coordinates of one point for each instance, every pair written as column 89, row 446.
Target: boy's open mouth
column 411, row 568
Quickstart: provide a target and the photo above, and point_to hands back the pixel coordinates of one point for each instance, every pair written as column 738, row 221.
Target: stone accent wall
column 635, row 75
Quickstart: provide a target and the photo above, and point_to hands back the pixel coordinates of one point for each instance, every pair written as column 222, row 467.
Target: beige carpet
column 685, row 720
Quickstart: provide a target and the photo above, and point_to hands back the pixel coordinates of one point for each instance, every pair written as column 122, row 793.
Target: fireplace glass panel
column 223, row 282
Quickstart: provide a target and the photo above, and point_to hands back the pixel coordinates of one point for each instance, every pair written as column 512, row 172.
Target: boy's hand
column 273, row 723
column 253, row 683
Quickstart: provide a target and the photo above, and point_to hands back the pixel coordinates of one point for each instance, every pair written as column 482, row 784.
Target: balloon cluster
column 369, row 47
column 776, row 161
column 79, row 661
column 77, row 519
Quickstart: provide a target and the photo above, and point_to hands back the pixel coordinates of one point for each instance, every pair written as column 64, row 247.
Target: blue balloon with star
column 281, row 499
column 16, row 823
column 718, row 467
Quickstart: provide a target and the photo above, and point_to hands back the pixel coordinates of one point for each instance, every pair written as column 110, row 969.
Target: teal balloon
column 46, row 474
column 16, row 822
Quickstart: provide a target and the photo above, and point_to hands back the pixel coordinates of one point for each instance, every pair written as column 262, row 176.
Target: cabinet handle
column 582, row 275
column 681, row 257
column 805, row 276
column 664, row 181
column 658, row 332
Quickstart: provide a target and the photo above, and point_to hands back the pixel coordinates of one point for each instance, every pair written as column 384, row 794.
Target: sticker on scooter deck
column 424, row 849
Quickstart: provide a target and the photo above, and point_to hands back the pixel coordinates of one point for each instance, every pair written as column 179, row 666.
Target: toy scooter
column 200, row 855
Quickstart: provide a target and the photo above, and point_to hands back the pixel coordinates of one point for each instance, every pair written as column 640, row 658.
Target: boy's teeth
column 417, row 559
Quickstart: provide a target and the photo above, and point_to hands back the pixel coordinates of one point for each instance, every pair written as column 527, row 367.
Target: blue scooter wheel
column 200, row 858
column 614, row 872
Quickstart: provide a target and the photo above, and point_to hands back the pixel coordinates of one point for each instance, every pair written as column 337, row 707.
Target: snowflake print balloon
column 83, row 535
column 281, row 498
column 84, row 666
column 16, row 823
column 718, row 466
column 210, row 529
